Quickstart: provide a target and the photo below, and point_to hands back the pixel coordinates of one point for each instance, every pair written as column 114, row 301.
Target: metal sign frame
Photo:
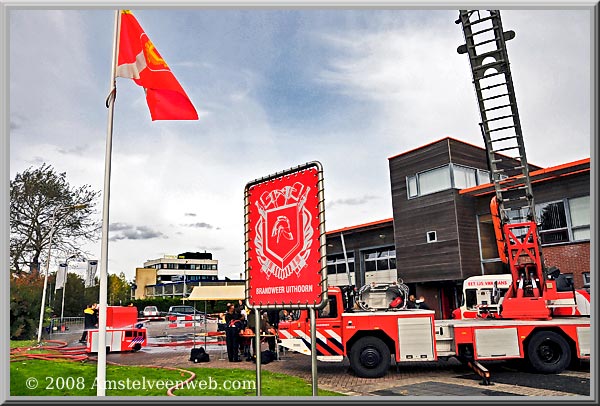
column 284, row 183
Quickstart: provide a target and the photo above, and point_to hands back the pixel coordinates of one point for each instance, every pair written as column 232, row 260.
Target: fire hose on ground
column 58, row 350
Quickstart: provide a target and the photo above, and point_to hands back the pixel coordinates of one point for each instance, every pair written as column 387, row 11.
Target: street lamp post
column 52, row 228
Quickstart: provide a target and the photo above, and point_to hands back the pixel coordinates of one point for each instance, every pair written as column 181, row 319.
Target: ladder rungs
column 493, row 86
column 500, row 129
column 481, row 32
column 482, row 43
column 486, row 54
column 499, row 118
column 468, row 24
column 515, row 199
column 505, row 149
column 512, row 189
column 498, row 107
column 503, row 138
column 491, row 75
column 490, row 65
column 494, row 97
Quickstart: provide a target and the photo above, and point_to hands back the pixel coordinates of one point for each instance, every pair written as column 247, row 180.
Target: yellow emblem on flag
column 152, row 56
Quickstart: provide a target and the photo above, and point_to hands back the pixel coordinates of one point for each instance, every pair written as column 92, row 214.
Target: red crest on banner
column 284, row 238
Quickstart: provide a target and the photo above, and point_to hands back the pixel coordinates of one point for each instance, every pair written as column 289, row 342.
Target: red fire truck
column 123, row 332
column 533, row 320
column 370, row 337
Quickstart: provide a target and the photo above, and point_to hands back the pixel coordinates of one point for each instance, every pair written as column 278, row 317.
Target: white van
column 480, row 294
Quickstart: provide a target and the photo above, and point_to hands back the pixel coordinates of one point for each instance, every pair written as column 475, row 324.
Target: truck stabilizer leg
column 481, row 371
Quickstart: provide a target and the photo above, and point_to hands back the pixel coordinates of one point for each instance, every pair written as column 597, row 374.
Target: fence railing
column 68, row 325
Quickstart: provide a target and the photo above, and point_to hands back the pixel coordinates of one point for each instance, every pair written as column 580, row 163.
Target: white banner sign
column 91, row 273
column 61, row 277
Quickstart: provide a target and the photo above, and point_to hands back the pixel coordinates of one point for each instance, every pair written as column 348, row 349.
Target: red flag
column 139, row 60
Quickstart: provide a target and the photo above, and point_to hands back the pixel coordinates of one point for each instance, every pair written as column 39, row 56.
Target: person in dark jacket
column 267, row 328
column 232, row 332
column 411, row 303
column 89, row 322
column 422, row 304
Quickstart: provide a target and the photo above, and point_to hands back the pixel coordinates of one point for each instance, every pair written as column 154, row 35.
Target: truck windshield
column 330, row 310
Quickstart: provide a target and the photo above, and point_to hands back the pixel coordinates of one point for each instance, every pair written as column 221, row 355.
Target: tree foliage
column 25, row 296
column 39, row 199
column 119, row 290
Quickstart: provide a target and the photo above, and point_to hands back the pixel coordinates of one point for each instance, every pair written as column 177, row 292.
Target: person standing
column 267, row 329
column 422, row 304
column 88, row 322
column 96, row 310
column 232, row 332
column 411, row 303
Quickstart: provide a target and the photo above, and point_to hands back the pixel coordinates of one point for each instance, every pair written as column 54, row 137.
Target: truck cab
column 367, row 337
column 482, row 295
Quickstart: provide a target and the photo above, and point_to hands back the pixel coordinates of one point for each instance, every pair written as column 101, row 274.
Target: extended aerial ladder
column 513, row 204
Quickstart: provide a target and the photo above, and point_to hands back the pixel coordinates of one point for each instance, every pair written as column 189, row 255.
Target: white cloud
column 394, row 82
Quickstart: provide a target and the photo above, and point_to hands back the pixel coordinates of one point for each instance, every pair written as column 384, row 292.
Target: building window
column 337, row 263
column 431, row 236
column 380, row 260
column 569, row 278
column 464, row 177
column 412, row 186
column 483, row 177
column 586, row 279
column 565, row 220
column 553, row 223
column 579, row 210
column 434, row 180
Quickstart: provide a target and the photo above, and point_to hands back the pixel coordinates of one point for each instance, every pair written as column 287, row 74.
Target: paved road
column 444, row 378
column 431, row 379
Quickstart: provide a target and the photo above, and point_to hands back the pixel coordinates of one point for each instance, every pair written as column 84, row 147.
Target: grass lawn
column 22, row 343
column 33, row 377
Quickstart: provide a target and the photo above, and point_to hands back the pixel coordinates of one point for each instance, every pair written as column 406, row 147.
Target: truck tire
column 370, row 357
column 548, row 352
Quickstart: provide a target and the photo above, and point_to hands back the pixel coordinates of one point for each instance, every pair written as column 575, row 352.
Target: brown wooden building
column 441, row 230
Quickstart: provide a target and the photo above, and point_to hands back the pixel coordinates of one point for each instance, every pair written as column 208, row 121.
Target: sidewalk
column 443, row 378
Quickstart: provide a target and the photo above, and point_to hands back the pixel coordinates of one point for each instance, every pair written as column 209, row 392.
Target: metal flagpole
column 43, row 305
column 110, row 103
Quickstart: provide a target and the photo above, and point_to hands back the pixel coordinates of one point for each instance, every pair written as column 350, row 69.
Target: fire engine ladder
column 500, row 124
column 485, row 44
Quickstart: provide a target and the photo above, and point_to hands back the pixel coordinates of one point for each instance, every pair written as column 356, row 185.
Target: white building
column 175, row 275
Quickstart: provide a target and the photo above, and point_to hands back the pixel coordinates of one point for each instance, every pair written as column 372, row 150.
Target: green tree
column 38, row 198
column 119, row 290
column 25, row 295
column 76, row 297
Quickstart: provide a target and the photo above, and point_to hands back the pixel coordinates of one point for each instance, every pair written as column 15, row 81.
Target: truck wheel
column 136, row 347
column 370, row 357
column 548, row 352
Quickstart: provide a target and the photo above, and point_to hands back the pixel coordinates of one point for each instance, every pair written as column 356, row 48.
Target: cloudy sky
column 273, row 89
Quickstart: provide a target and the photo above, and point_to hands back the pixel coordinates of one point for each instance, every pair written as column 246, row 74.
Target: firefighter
column 422, row 304
column 411, row 303
column 89, row 322
column 232, row 331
